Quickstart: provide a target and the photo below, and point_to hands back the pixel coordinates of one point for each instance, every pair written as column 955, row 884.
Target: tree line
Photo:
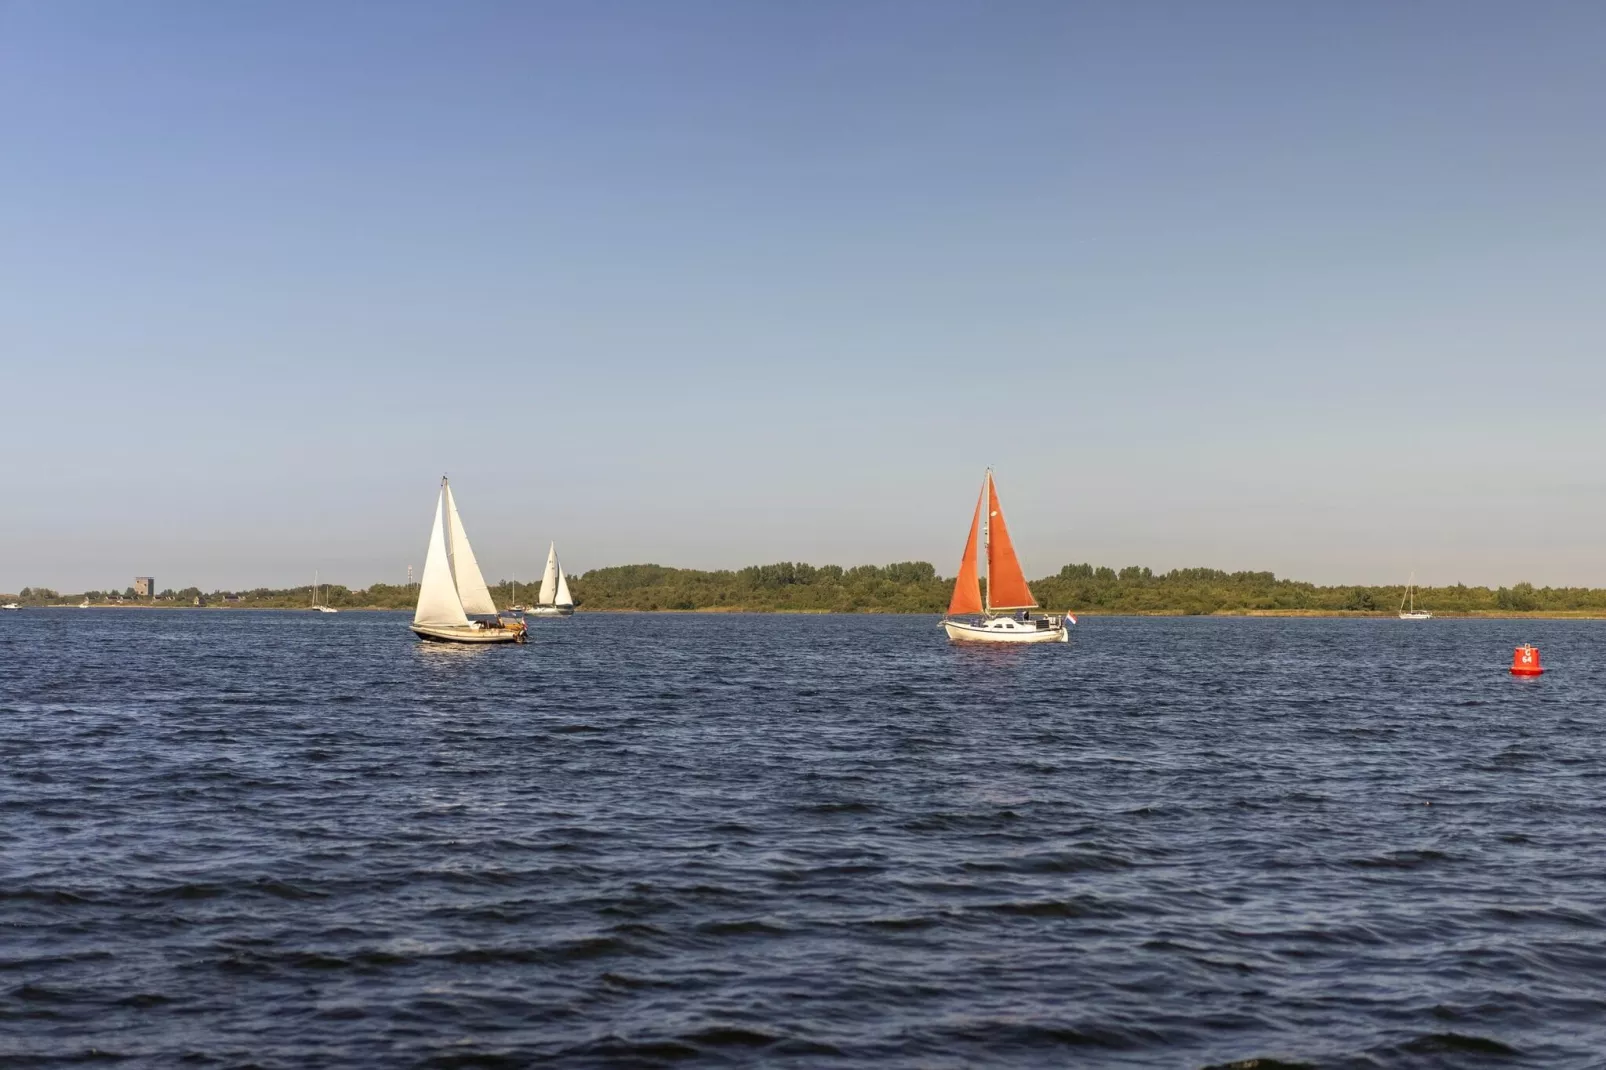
column 906, row 587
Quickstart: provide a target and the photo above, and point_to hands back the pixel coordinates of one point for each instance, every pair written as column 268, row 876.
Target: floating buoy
column 1525, row 661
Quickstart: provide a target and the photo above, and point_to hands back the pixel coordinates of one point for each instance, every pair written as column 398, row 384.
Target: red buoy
column 1525, row 661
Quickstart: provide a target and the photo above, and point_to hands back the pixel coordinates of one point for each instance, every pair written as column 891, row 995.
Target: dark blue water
column 292, row 840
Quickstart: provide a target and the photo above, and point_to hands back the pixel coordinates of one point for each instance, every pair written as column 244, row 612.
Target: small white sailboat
column 1005, row 612
column 317, row 606
column 554, row 600
column 453, row 600
column 1409, row 600
column 85, row 603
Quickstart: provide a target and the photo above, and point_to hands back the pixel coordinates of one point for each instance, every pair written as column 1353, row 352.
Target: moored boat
column 1408, row 610
column 10, row 605
column 317, row 606
column 1004, row 614
column 453, row 601
column 554, row 599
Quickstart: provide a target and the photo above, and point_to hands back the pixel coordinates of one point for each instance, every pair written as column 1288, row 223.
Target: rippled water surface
column 297, row 840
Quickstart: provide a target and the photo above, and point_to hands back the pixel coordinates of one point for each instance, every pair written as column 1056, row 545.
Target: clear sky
column 1315, row 288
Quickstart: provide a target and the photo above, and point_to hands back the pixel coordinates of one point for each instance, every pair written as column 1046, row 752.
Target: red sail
column 967, row 588
column 1006, row 584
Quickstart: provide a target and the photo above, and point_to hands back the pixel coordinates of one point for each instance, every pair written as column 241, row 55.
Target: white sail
column 438, row 604
column 471, row 589
column 549, row 579
column 564, row 597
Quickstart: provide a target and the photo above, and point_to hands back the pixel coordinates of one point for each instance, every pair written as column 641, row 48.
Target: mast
column 987, row 541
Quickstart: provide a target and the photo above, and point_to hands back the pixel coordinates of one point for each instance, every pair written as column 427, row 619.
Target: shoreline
column 1323, row 614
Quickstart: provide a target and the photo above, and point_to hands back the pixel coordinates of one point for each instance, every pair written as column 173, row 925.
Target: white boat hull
column 454, row 634
column 1007, row 630
column 1420, row 614
column 549, row 611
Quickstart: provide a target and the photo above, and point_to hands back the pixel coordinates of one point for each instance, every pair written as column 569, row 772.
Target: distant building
column 144, row 586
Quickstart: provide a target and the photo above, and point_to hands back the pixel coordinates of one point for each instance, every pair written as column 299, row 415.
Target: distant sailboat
column 452, row 597
column 1006, row 586
column 1409, row 599
column 554, row 599
column 317, row 606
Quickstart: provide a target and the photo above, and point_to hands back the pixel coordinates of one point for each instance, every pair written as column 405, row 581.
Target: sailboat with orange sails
column 1006, row 611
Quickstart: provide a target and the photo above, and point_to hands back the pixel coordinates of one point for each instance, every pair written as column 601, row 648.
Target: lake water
column 294, row 840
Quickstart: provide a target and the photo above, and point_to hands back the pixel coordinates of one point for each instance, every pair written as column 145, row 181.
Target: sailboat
column 554, row 599
column 1409, row 598
column 1005, row 612
column 453, row 600
column 317, row 606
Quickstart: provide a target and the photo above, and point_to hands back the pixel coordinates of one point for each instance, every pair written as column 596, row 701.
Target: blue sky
column 1309, row 288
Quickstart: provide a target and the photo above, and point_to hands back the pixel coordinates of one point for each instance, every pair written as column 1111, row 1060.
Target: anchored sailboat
column 452, row 597
column 1409, row 598
column 1006, row 610
column 554, row 599
column 317, row 606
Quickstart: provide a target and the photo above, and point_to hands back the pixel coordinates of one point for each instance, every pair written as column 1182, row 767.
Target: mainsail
column 549, row 579
column 438, row 603
column 1006, row 583
column 564, row 597
column 967, row 588
column 476, row 597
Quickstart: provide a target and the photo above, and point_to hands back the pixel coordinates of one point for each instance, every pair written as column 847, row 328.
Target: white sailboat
column 317, row 606
column 453, row 600
column 1409, row 599
column 1007, row 592
column 554, row 599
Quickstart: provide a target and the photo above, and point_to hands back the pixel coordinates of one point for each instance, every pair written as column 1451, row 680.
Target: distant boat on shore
column 452, row 597
column 84, row 604
column 317, row 606
column 554, row 600
column 1409, row 598
column 1005, row 612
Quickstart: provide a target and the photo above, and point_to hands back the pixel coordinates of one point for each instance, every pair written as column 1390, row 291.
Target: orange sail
column 1006, row 584
column 967, row 588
